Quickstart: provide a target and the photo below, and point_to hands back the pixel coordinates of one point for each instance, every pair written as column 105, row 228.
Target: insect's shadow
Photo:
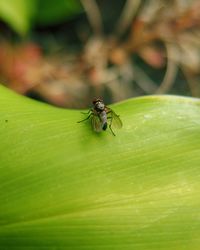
column 87, row 124
column 89, row 134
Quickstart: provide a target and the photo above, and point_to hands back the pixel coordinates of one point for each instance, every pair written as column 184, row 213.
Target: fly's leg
column 110, row 125
column 86, row 118
column 86, row 113
column 111, row 130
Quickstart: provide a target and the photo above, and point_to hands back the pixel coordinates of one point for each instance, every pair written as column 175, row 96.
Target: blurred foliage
column 21, row 15
column 52, row 12
column 18, row 14
column 115, row 50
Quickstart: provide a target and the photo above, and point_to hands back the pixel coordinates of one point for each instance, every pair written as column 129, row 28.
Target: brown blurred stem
column 94, row 15
column 127, row 15
column 143, row 80
column 192, row 82
column 171, row 71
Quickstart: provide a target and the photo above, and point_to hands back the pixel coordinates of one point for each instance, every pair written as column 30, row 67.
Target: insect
column 102, row 117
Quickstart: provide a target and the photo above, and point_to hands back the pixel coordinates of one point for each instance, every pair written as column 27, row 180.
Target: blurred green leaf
column 22, row 14
column 63, row 186
column 18, row 14
column 52, row 12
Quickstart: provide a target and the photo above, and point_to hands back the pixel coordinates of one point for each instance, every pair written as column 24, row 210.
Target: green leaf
column 52, row 12
column 62, row 186
column 18, row 14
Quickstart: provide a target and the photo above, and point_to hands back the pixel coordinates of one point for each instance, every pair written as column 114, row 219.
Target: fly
column 102, row 117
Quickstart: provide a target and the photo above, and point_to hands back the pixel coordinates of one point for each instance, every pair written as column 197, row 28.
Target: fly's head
column 98, row 104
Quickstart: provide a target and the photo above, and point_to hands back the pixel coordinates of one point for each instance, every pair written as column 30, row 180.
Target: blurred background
column 67, row 52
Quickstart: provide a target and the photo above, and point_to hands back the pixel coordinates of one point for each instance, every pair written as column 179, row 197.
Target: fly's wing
column 115, row 120
column 96, row 123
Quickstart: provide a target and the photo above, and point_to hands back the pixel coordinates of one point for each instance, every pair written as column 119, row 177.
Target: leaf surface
column 63, row 186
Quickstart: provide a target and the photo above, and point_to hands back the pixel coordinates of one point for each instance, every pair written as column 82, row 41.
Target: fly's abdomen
column 103, row 117
column 105, row 126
